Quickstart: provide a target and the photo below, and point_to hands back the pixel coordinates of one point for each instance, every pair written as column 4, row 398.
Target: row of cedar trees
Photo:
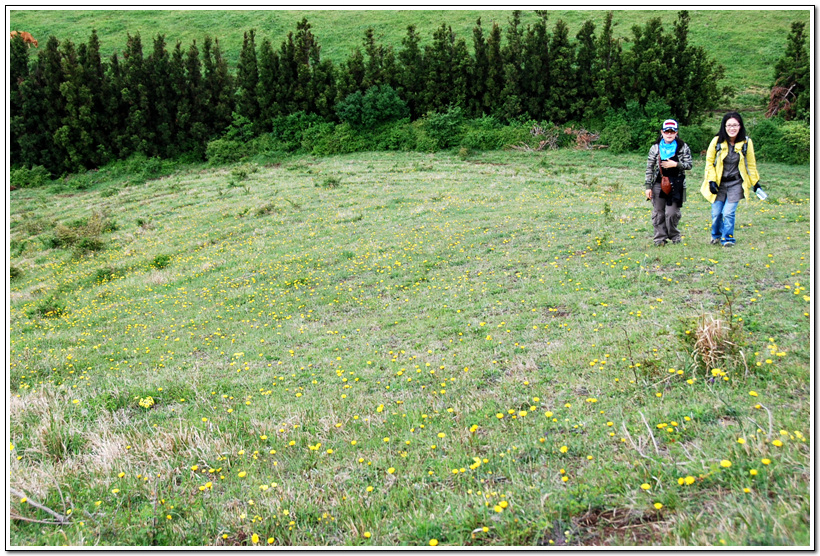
column 71, row 111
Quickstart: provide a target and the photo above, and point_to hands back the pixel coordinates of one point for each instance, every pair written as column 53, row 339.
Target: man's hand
column 649, row 194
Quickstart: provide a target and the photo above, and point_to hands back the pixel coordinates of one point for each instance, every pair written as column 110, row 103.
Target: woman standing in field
column 730, row 171
column 669, row 157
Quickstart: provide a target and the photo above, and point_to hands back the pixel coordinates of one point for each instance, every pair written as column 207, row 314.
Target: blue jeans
column 723, row 221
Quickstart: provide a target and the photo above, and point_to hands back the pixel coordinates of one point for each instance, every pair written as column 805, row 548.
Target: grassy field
column 747, row 42
column 407, row 349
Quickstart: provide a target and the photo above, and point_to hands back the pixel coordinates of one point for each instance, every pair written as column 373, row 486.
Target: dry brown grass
column 713, row 343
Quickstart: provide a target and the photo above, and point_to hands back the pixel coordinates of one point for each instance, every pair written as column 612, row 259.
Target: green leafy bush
column 29, row 177
column 445, row 129
column 225, row 151
column 288, row 130
column 776, row 140
column 378, row 105
column 161, row 261
column 697, row 137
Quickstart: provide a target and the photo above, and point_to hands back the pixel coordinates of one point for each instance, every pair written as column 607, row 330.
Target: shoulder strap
column 717, row 150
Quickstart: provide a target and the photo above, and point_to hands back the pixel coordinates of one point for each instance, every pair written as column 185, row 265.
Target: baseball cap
column 670, row 125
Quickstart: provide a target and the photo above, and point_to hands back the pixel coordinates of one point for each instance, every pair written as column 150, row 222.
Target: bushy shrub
column 445, row 129
column 50, row 307
column 776, row 140
column 378, row 105
column 697, row 137
column 161, row 261
column 398, row 136
column 797, row 138
column 288, row 130
column 225, row 151
column 326, row 139
column 240, row 129
column 29, row 177
column 635, row 127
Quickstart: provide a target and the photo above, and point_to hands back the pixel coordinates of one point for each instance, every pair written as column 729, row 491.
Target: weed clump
column 51, row 307
column 161, row 261
column 330, row 182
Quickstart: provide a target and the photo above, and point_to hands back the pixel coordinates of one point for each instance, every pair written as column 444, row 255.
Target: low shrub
column 445, row 129
column 50, row 307
column 29, row 177
column 225, row 151
column 376, row 106
column 161, row 261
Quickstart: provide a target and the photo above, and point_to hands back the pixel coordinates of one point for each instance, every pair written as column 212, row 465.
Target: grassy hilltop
column 747, row 42
column 406, row 349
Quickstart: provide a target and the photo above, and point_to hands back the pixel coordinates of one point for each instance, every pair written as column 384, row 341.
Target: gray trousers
column 665, row 217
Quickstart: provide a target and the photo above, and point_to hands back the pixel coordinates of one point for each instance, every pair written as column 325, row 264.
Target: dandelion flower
column 391, row 470
column 255, row 538
column 563, row 449
column 433, row 542
column 777, row 443
column 242, row 474
column 367, row 534
column 766, row 461
column 645, row 486
column 725, row 463
column 658, row 505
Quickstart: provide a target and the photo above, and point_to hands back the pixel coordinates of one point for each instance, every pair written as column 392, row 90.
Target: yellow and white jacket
column 747, row 166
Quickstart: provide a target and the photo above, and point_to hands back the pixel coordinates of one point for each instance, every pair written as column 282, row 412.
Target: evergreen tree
column 219, row 89
column 307, row 52
column 608, row 71
column 447, row 63
column 696, row 76
column 380, row 66
column 324, row 89
column 116, row 108
column 495, row 72
column 478, row 77
column 52, row 110
column 100, row 89
column 18, row 73
column 192, row 110
column 535, row 72
column 512, row 53
column 562, row 81
column 583, row 107
column 791, row 76
column 73, row 136
column 162, row 99
column 646, row 69
column 268, row 89
column 410, row 68
column 247, row 79
column 352, row 73
column 138, row 134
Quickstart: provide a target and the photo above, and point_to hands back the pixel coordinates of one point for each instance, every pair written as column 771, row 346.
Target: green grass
column 747, row 42
column 458, row 333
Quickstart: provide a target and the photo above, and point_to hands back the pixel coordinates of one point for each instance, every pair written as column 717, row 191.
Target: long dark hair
column 741, row 134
